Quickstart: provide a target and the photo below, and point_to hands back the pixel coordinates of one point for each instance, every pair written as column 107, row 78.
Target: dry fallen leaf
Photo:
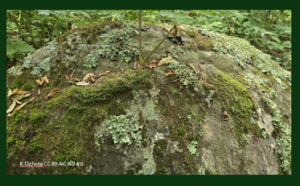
column 54, row 91
column 9, row 92
column 92, row 79
column 12, row 106
column 105, row 73
column 81, row 83
column 225, row 116
column 19, row 107
column 153, row 64
column 175, row 32
column 192, row 66
column 170, row 73
column 88, row 76
column 15, row 91
column 39, row 91
column 75, row 79
column 45, row 79
column 136, row 65
column 20, row 92
column 72, row 73
column 231, row 128
column 123, row 70
column 40, row 81
column 67, row 78
column 71, row 82
column 165, row 61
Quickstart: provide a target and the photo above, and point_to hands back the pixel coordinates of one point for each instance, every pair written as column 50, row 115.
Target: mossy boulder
column 162, row 115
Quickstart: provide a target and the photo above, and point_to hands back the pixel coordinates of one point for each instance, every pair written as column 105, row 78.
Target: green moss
column 17, row 83
column 180, row 131
column 27, row 87
column 209, row 172
column 18, row 116
column 130, row 172
column 37, row 117
column 158, row 154
column 237, row 101
column 208, row 86
column 192, row 34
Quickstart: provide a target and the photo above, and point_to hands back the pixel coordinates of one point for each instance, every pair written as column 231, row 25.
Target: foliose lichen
column 120, row 126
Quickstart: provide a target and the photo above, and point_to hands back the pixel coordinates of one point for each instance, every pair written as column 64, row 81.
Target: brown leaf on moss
column 165, row 61
column 136, row 65
column 88, row 76
column 19, row 107
column 9, row 92
column 231, row 128
column 225, row 116
column 153, row 64
column 123, row 70
column 40, row 81
column 21, row 92
column 81, row 83
column 92, row 80
column 75, row 79
column 105, row 73
column 72, row 73
column 170, row 73
column 15, row 91
column 45, row 79
column 11, row 107
column 39, row 91
column 71, row 82
column 54, row 91
column 67, row 78
column 190, row 14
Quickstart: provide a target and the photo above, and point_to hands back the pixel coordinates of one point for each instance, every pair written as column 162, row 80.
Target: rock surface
column 172, row 112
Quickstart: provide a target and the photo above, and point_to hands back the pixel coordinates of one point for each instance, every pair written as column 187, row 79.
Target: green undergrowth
column 238, row 102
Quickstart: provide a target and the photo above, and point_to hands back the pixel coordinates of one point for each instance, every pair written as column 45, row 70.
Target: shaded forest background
column 268, row 30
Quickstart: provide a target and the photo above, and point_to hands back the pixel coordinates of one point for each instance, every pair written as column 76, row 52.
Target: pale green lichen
column 120, row 126
column 209, row 97
column 192, row 147
column 187, row 76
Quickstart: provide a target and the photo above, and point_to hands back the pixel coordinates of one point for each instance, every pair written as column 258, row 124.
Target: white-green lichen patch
column 192, row 147
column 243, row 52
column 114, row 46
column 121, row 126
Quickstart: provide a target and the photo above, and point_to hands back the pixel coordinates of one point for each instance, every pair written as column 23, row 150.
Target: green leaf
column 19, row 46
column 276, row 39
column 206, row 22
column 81, row 13
column 44, row 12
column 287, row 44
column 246, row 24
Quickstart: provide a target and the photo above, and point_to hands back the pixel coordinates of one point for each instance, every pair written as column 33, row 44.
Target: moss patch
column 237, row 101
column 158, row 154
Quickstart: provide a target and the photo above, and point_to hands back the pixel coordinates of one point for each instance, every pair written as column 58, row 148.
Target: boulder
column 142, row 121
